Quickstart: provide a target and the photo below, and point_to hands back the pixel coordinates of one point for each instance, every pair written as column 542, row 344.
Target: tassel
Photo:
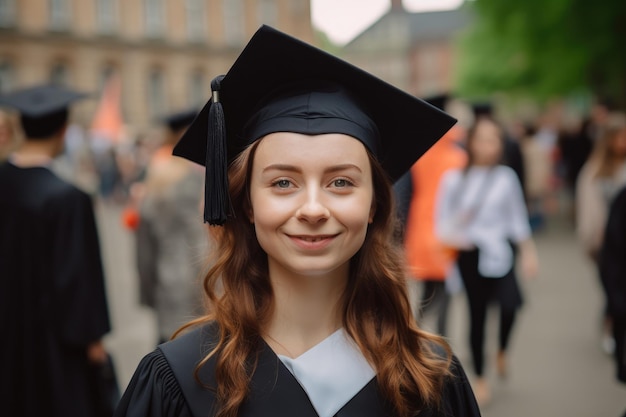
column 217, row 204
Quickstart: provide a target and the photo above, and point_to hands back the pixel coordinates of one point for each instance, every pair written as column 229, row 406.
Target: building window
column 59, row 74
column 60, row 14
column 6, row 77
column 234, row 25
column 7, row 13
column 196, row 19
column 268, row 12
column 156, row 93
column 198, row 90
column 106, row 16
column 155, row 17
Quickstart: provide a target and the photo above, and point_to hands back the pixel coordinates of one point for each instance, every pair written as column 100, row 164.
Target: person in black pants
column 613, row 274
column 481, row 212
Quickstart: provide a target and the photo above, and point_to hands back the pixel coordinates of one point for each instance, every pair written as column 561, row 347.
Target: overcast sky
column 342, row 20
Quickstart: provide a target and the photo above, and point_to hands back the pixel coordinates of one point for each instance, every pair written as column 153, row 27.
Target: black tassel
column 217, row 204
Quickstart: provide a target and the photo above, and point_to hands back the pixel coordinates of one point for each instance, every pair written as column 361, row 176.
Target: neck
column 307, row 309
column 37, row 152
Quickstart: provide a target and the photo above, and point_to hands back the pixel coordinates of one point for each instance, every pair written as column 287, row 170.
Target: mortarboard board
column 278, row 84
column 180, row 120
column 43, row 109
column 438, row 100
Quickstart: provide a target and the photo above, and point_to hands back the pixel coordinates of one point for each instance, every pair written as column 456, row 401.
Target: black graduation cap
column 438, row 100
column 180, row 120
column 279, row 84
column 43, row 109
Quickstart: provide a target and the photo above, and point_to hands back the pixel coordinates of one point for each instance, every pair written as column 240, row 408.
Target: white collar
column 331, row 373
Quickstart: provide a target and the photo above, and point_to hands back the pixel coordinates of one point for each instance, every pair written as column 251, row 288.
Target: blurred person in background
column 482, row 213
column 613, row 274
column 8, row 135
column 511, row 153
column 538, row 170
column 602, row 176
column 171, row 240
column 577, row 143
column 53, row 306
column 429, row 261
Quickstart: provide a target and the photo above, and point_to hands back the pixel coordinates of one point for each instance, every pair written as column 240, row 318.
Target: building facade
column 413, row 51
column 165, row 51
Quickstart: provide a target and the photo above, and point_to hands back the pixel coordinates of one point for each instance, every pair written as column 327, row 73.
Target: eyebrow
column 293, row 168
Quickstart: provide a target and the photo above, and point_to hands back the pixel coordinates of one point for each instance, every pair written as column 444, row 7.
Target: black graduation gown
column 52, row 296
column 164, row 386
column 613, row 275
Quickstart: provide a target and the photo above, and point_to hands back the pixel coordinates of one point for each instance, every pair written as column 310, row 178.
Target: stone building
column 413, row 51
column 165, row 51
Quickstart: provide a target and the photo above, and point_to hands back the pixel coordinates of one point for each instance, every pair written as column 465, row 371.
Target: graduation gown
column 52, row 296
column 164, row 386
column 613, row 275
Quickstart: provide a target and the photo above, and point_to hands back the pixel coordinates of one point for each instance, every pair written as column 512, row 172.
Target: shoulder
column 452, row 176
column 505, row 172
column 153, row 390
column 458, row 398
column 167, row 377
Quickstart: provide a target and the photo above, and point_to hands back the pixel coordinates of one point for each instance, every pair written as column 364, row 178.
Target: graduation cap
column 43, row 109
column 180, row 120
column 438, row 100
column 281, row 84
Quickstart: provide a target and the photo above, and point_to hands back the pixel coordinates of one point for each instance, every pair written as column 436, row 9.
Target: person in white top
column 481, row 212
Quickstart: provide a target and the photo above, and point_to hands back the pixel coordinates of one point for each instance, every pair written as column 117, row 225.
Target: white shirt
column 483, row 208
column 331, row 373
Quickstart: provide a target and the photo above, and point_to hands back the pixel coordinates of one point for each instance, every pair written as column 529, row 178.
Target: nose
column 313, row 209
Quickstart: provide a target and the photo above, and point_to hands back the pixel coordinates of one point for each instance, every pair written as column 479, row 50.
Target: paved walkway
column 556, row 367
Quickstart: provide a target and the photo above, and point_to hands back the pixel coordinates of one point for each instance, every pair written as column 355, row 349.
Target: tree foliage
column 544, row 48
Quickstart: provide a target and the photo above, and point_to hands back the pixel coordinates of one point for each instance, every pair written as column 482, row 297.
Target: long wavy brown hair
column 410, row 364
column 606, row 162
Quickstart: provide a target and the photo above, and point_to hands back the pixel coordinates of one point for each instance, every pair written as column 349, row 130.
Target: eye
column 282, row 183
column 342, row 183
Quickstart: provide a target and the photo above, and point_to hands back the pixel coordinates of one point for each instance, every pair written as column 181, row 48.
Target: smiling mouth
column 313, row 238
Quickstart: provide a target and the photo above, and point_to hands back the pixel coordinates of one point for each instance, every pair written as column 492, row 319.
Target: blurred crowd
column 469, row 209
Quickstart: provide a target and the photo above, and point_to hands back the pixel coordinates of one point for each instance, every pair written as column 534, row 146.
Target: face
column 486, row 145
column 311, row 199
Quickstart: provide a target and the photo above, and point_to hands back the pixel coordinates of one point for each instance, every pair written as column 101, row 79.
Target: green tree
column 545, row 47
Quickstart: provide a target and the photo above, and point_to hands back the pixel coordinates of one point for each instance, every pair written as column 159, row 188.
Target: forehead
column 486, row 129
column 332, row 148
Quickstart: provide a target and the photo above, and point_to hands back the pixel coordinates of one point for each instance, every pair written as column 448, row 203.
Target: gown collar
column 331, row 373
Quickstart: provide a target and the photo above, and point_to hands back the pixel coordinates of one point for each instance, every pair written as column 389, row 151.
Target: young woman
column 602, row 176
column 308, row 312
column 481, row 211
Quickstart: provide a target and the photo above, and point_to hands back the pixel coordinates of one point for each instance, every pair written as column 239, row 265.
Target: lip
column 312, row 242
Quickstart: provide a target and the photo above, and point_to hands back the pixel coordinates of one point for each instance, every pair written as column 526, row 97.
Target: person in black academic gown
column 308, row 311
column 53, row 309
column 613, row 275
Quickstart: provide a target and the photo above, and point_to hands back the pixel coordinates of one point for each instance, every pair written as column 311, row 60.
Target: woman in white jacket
column 482, row 213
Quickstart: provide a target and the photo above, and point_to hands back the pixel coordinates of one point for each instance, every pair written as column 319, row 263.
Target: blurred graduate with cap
column 52, row 297
column 307, row 307
column 171, row 243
